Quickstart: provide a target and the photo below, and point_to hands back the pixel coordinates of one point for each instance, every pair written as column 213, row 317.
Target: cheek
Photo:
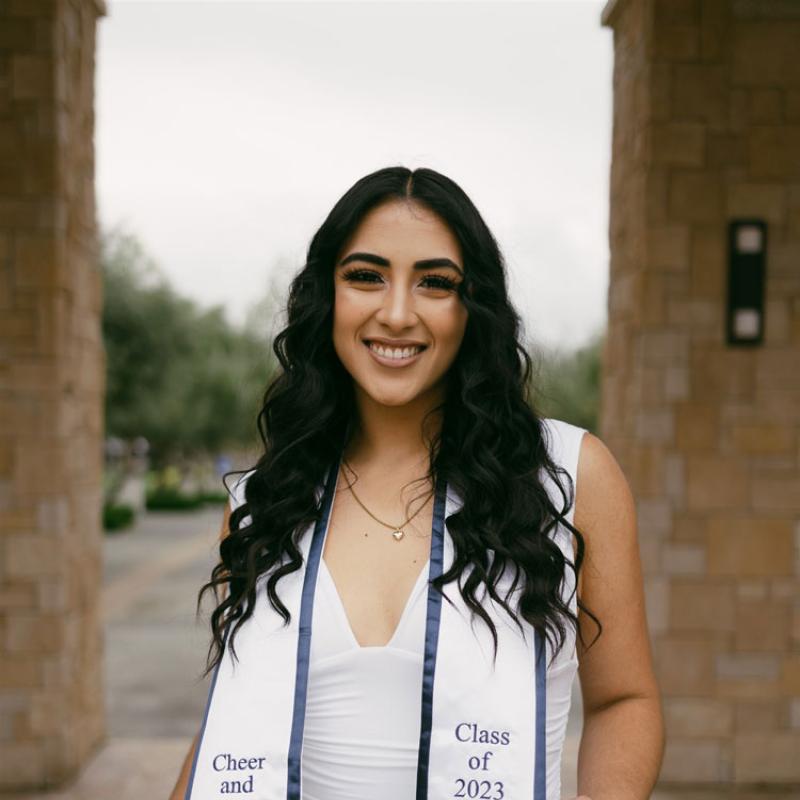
column 346, row 314
column 351, row 307
column 451, row 331
column 349, row 317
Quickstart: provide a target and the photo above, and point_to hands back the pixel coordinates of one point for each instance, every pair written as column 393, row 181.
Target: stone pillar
column 52, row 369
column 706, row 128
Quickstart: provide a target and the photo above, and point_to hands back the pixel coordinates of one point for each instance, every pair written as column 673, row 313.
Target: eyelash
column 355, row 274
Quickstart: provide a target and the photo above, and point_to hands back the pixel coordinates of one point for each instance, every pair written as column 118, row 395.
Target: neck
column 392, row 438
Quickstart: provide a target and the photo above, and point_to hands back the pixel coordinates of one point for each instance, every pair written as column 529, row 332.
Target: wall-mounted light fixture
column 747, row 250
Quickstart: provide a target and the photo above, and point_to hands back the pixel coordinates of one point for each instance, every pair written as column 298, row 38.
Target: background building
column 706, row 132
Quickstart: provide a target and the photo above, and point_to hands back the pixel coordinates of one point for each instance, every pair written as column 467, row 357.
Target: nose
column 397, row 308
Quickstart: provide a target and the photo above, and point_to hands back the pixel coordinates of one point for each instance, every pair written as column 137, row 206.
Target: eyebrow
column 380, row 261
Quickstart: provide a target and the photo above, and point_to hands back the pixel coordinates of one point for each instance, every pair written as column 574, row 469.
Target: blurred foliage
column 569, row 384
column 163, row 499
column 171, row 500
column 177, row 374
column 113, row 479
column 174, row 487
column 117, row 517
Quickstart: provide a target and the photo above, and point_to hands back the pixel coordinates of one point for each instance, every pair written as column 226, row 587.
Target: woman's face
column 380, row 296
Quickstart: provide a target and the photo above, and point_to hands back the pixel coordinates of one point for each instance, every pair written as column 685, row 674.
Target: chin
column 392, row 401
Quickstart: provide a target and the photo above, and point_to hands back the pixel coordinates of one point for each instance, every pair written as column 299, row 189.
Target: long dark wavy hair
column 490, row 446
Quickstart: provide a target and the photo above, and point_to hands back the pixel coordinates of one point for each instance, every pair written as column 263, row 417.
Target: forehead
column 407, row 229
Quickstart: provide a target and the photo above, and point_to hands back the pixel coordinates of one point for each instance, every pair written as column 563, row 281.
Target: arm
column 622, row 744
column 179, row 792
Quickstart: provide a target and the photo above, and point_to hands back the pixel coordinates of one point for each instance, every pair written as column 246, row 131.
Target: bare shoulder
column 611, row 586
column 226, row 516
column 605, row 509
column 602, row 491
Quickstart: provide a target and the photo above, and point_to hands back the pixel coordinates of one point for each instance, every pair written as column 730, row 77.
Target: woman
column 402, row 368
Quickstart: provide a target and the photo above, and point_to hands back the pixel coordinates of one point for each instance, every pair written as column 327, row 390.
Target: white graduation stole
column 482, row 730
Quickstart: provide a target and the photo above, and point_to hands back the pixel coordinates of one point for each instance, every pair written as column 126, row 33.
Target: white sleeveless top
column 362, row 723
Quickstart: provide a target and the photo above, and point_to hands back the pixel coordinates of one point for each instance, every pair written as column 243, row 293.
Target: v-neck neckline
column 406, row 609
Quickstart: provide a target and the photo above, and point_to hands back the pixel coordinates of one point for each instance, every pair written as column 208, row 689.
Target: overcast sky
column 225, row 132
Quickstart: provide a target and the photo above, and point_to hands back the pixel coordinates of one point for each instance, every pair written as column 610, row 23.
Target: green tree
column 177, row 374
column 568, row 383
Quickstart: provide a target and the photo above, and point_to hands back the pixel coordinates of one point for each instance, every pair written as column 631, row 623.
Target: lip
column 394, row 342
column 393, row 362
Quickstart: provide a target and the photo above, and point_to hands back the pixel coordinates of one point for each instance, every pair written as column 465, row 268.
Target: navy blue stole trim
column 190, row 784
column 540, row 775
column 304, row 636
column 433, row 617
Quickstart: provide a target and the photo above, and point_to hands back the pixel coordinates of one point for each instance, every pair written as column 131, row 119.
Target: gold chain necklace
column 397, row 530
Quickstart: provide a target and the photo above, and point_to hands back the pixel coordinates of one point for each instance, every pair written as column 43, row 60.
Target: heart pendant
column 398, row 535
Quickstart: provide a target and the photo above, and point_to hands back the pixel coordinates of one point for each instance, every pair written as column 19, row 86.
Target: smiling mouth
column 397, row 356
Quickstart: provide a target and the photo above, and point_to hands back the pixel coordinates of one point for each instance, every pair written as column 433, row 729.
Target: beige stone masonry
column 707, row 129
column 52, row 715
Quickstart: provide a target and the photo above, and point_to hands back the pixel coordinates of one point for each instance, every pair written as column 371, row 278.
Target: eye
column 441, row 282
column 360, row 275
column 370, row 276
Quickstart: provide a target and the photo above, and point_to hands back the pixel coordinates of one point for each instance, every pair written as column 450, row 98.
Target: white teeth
column 400, row 352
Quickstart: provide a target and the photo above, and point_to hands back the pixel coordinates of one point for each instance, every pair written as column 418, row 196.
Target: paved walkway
column 155, row 652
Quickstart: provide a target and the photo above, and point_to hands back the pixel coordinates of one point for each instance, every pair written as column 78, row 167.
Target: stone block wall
column 52, row 369
column 706, row 127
